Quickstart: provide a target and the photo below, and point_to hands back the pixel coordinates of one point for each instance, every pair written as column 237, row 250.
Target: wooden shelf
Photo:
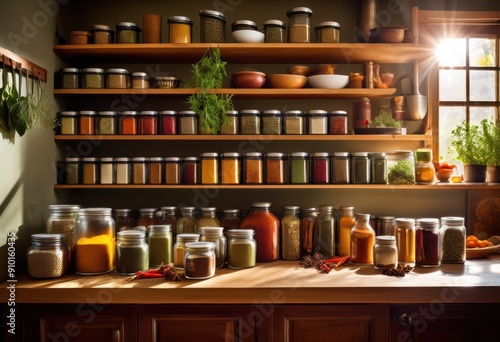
column 267, row 53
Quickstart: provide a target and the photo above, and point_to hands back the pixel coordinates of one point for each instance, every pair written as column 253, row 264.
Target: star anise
column 308, row 261
column 173, row 274
column 397, row 270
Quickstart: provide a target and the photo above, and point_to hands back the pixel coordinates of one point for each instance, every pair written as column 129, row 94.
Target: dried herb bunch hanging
column 211, row 108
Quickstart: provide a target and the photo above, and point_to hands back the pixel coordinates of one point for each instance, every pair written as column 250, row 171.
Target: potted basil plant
column 490, row 133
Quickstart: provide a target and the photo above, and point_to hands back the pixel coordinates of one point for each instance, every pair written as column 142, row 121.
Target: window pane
column 451, row 52
column 448, row 119
column 482, row 85
column 482, row 52
column 452, row 85
column 479, row 113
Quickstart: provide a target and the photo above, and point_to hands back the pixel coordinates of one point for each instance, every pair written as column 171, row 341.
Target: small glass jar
column 328, row 32
column 140, row 80
column 320, row 168
column 241, row 248
column 103, row 34
column 180, row 29
column 212, row 27
column 62, row 220
column 324, row 238
column 275, row 168
column 405, row 240
column 209, row 168
column 123, row 170
column 274, row 31
column 346, row 222
column 155, row 170
column 124, row 219
column 168, row 122
column 250, row 121
column 173, row 170
column 378, row 163
column 128, row 122
column 360, row 168
column 186, row 224
column 425, row 172
column 231, row 219
column 179, row 247
column 127, row 33
column 139, row 170
column 169, row 217
column 290, row 233
column 147, row 217
column 199, row 260
column 160, row 245
column 361, row 113
column 230, row 168
column 70, row 78
column 148, row 122
column 117, row 78
column 215, row 235
column 90, row 174
column 253, row 168
column 271, row 122
column 73, row 170
column 232, row 124
column 318, row 121
column 453, row 240
column 93, row 78
column 400, row 167
column 48, row 256
column 107, row 170
column 132, row 252
column 87, row 122
column 299, row 25
column 341, row 168
column 95, row 242
column 294, row 122
column 208, row 218
column 338, row 122
column 385, row 225
column 107, row 122
column 362, row 240
column 188, row 122
column 427, row 243
column 299, row 168
column 69, row 122
column 191, row 170
column 385, row 251
column 307, row 230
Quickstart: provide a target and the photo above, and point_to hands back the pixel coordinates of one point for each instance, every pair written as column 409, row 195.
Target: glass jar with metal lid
column 232, row 124
column 427, row 243
column 128, row 122
column 360, row 168
column 127, row 33
column 209, row 168
column 123, row 170
column 199, row 260
column 212, row 27
column 385, row 225
column 168, row 120
column 307, row 228
column 274, row 31
column 275, row 168
column 86, row 122
column 320, row 167
column 231, row 219
column 107, row 170
column 453, row 240
column 93, row 78
column 230, row 168
column 107, row 122
column 179, row 247
column 294, row 122
column 169, row 217
column 253, row 168
column 215, row 235
column 173, row 170
column 241, row 248
column 147, row 217
column 271, row 121
column 341, row 168
column 62, row 220
column 318, row 121
column 187, row 223
column 180, row 29
column 324, row 235
column 73, row 170
column 385, row 251
column 378, row 164
column 250, row 121
column 155, row 170
column 327, row 32
column 132, row 252
column 90, row 171
column 299, row 168
column 362, row 240
column 188, row 122
column 191, row 170
column 124, row 219
column 405, row 240
column 139, row 170
column 299, row 25
column 160, row 244
column 148, row 122
column 290, row 233
column 346, row 222
column 103, row 34
column 48, row 256
column 208, row 218
column 70, row 78
column 338, row 122
column 400, row 167
column 140, row 80
column 69, row 122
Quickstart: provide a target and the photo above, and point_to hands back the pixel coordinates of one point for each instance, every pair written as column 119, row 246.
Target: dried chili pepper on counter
column 167, row 271
column 323, row 265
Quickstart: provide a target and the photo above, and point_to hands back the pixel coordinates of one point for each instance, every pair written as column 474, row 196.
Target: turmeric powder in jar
column 180, row 29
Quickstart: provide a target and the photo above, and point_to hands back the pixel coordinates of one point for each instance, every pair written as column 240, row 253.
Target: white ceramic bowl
column 328, row 81
column 248, row 36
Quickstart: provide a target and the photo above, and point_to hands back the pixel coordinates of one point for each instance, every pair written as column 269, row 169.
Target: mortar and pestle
column 415, row 104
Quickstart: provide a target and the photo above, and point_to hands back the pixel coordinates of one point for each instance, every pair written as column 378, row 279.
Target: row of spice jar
column 248, row 121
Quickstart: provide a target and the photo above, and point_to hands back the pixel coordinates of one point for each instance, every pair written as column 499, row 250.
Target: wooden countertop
column 280, row 282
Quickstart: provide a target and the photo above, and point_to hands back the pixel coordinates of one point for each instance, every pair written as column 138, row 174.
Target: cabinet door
column 197, row 323
column 338, row 322
column 437, row 321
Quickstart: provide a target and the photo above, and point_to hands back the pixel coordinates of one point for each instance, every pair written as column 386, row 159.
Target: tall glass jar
column 212, row 27
column 325, row 232
column 266, row 227
column 338, row 122
column 360, row 168
column 405, row 240
column 250, row 121
column 231, row 219
column 341, row 168
column 69, row 122
column 139, row 170
column 90, row 174
column 132, row 252
column 320, row 168
column 400, row 167
column 208, row 218
column 179, row 247
column 147, row 217
column 274, row 31
column 209, row 168
column 385, row 251
column 307, row 228
column 199, row 260
column 253, row 168
column 107, row 174
column 385, row 225
column 168, row 120
column 318, row 121
column 427, row 243
column 231, row 168
column 232, row 124
column 346, row 222
column 299, row 168
column 191, row 170
column 241, row 248
column 299, row 25
column 453, row 240
column 160, row 245
column 95, row 242
column 173, row 170
column 128, row 122
column 47, row 257
column 188, row 122
column 62, row 220
column 169, row 217
column 294, row 122
column 378, row 164
column 215, row 235
column 290, row 233
column 155, row 170
column 123, row 170
column 180, row 29
column 186, row 224
column 124, row 220
column 271, row 121
column 362, row 240
column 148, row 122
column 275, row 168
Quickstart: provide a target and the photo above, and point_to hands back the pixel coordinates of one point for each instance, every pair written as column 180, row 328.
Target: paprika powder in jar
column 266, row 226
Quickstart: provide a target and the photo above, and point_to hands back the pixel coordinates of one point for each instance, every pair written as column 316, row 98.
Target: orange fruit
column 471, row 244
column 472, row 238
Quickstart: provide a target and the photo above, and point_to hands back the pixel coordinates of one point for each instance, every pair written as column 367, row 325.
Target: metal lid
column 362, row 217
column 172, row 159
column 73, row 160
column 69, row 113
column 148, row 210
column 122, row 211
column 211, row 13
column 130, row 112
column 325, row 207
column 294, row 112
column 72, row 70
column 338, row 113
column 188, row 237
column 99, row 27
column 139, row 159
column 360, row 154
column 261, row 204
column 168, row 112
column 107, row 160
column 253, row 154
column 274, row 22
column 131, row 234
column 452, row 220
column 90, row 160
column 299, row 10
column 200, row 246
column 122, row 160
column 232, row 112
column 169, row 208
column 250, row 23
column 187, row 112
column 211, row 230
column 209, row 155
column 93, row 71
column 299, row 154
column 321, row 154
column 139, row 74
column 291, row 207
column 250, row 112
column 428, row 223
column 107, row 113
column 118, row 71
column 317, row 112
column 94, row 211
column 155, row 159
column 309, row 210
column 241, row 232
column 180, row 19
column 386, row 218
column 48, row 239
column 326, row 24
column 191, row 159
column 271, row 112
column 64, row 208
column 405, row 221
column 149, row 112
column 128, row 25
column 275, row 155
column 231, row 211
column 230, row 155
column 159, row 228
column 87, row 112
column 385, row 239
column 341, row 154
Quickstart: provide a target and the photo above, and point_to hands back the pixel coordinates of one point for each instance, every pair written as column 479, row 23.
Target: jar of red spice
column 338, row 122
column 362, row 240
column 168, row 122
column 266, row 226
column 427, row 243
column 148, row 123
column 321, row 168
column 87, row 121
column 191, row 170
column 128, row 122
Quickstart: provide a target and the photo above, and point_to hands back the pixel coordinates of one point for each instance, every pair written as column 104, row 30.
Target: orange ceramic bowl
column 248, row 79
column 443, row 175
column 288, row 81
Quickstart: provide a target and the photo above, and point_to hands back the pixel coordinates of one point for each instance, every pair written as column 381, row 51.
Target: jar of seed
column 378, row 163
column 294, row 122
column 140, row 80
column 132, row 252
column 155, row 170
column 299, row 25
column 90, row 173
column 103, row 34
column 318, row 121
column 341, row 168
column 180, row 29
column 231, row 168
column 70, row 78
column 232, row 124
column 148, row 122
column 209, row 168
column 123, row 170
column 186, row 224
column 299, row 168
column 328, row 32
column 191, row 170
column 173, row 170
column 321, row 168
column 127, row 33
column 117, row 78
column 107, row 170
column 179, row 247
column 215, row 235
column 290, row 233
column 338, row 122
column 128, row 122
column 107, row 122
column 62, row 220
column 212, row 27
column 453, row 240
column 242, row 248
column 252, row 168
column 250, row 121
column 168, row 120
column 360, row 168
column 69, row 122
column 87, row 122
column 271, row 121
column 139, row 170
column 160, row 244
column 93, row 78
column 188, row 122
column 274, row 31
column 275, row 168
column 47, row 257
column 73, row 170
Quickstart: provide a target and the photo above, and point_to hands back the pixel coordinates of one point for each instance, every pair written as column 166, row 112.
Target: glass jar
column 427, row 243
column 232, row 124
column 294, row 122
column 123, row 170
column 341, row 168
column 360, row 168
column 127, row 33
column 103, row 34
column 241, row 248
column 90, row 173
column 180, row 29
column 274, row 31
column 169, row 122
column 321, row 168
column 160, row 245
column 169, row 217
column 271, row 122
column 87, row 122
column 139, row 170
column 107, row 122
column 209, row 168
column 128, row 122
column 231, row 219
column 290, row 233
column 400, row 167
column 95, row 241
column 124, row 219
column 346, row 223
column 147, row 217
column 299, row 168
column 208, row 218
column 231, row 168
column 338, row 122
column 117, row 78
column 307, row 228
column 93, row 78
column 327, row 32
column 215, row 235
column 361, row 113
column 62, row 220
column 252, row 168
column 140, row 80
column 250, row 121
column 324, row 240
column 212, row 27
column 48, row 256
column 318, row 121
column 132, row 252
column 148, row 122
column 107, row 170
column 70, row 78
column 199, row 260
column 155, row 170
column 172, row 170
column 385, row 251
column 453, row 240
column 266, row 227
column 405, row 240
column 378, row 163
column 425, row 172
column 188, row 122
column 385, row 225
column 191, row 170
column 179, row 247
column 186, row 224
column 275, row 168
column 362, row 240
column 299, row 25
column 73, row 168
column 69, row 122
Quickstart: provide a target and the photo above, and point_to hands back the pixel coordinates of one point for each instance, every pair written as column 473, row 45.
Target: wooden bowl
column 248, row 79
column 287, row 81
column 300, row 70
column 480, row 252
column 387, row 34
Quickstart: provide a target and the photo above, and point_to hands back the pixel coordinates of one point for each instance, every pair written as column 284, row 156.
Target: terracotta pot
column 475, row 173
column 493, row 174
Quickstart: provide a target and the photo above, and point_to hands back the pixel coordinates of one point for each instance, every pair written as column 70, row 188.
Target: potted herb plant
column 385, row 120
column 467, row 146
column 490, row 133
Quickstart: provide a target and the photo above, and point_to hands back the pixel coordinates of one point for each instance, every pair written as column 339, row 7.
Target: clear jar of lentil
column 127, row 33
column 338, row 122
column 378, row 164
column 271, row 121
column 62, row 220
column 215, row 235
column 299, row 168
column 69, row 122
column 179, row 247
column 48, row 256
column 173, row 170
column 186, row 224
column 132, row 252
column 209, row 168
column 253, row 168
column 107, row 122
column 140, row 80
column 274, row 31
column 328, row 32
column 139, row 170
column 191, row 170
column 250, row 121
column 90, row 174
column 400, row 167
column 232, row 124
column 107, row 170
column 427, row 243
column 360, row 168
column 148, row 122
column 87, row 122
column 453, row 240
column 188, row 122
column 290, row 233
column 128, row 122
column 180, row 29
column 230, row 168
column 124, row 219
column 70, row 78
column 341, row 168
column 212, row 27
column 123, row 170
column 242, row 248
column 168, row 122
column 73, row 170
column 93, row 78
column 294, row 122
column 155, row 170
column 405, row 240
column 318, row 121
column 275, row 168
column 117, row 78
column 103, row 34
column 299, row 25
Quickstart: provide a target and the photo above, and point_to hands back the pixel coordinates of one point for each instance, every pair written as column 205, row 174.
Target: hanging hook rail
column 12, row 59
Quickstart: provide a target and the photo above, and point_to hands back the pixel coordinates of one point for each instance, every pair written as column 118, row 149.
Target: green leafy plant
column 385, row 119
column 490, row 135
column 467, row 144
column 401, row 173
column 211, row 108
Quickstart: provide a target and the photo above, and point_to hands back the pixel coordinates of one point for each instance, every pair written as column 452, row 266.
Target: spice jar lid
column 70, row 70
column 148, row 210
column 309, row 210
column 63, row 208
column 385, row 239
column 73, row 160
column 94, row 211
column 122, row 160
column 93, row 71
column 188, row 237
column 208, row 209
column 149, row 112
column 291, row 207
column 107, row 160
column 299, row 10
column 107, row 113
column 325, row 207
column 128, row 25
column 245, row 23
column 131, row 235
column 230, row 155
column 299, row 154
column 180, row 19
column 191, row 159
column 250, row 112
column 386, row 218
column 156, row 159
column 362, row 217
column 187, row 209
column 90, row 160
column 428, row 223
column 261, row 204
column 122, row 211
column 187, row 112
column 209, row 155
column 99, row 27
column 200, row 246
column 399, row 154
column 452, row 220
column 294, row 112
column 211, row 13
column 321, row 154
column 169, row 208
column 48, row 239
column 130, row 112
column 338, row 113
column 172, row 159
column 271, row 112
column 341, row 154
column 405, row 221
column 376, row 154
column 253, row 154
column 118, row 71
column 69, row 113
column 87, row 112
column 168, row 112
column 317, row 112
column 241, row 232
column 159, row 228
column 360, row 154
column 326, row 24
column 231, row 211
column 232, row 112
column 275, row 155
column 211, row 230
column 140, row 74
column 139, row 159
column 274, row 22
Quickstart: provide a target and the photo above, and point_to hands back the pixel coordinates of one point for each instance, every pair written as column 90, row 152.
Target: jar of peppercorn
column 148, row 122
column 338, row 122
column 321, row 168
